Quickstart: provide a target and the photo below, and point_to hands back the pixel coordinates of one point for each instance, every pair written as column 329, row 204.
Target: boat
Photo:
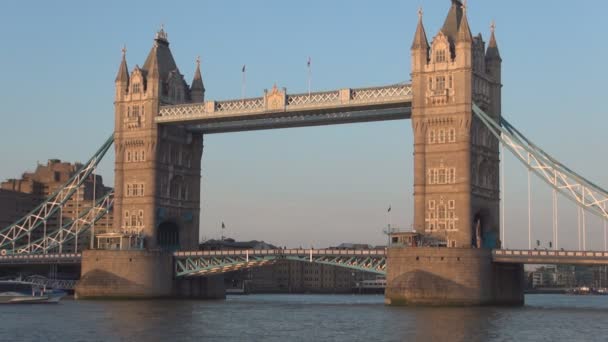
column 23, row 292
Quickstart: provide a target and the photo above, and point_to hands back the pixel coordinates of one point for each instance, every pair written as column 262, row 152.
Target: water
column 305, row 318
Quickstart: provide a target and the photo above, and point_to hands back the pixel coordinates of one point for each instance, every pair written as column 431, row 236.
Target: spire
column 123, row 71
column 464, row 31
column 420, row 40
column 452, row 21
column 160, row 62
column 492, row 52
column 197, row 90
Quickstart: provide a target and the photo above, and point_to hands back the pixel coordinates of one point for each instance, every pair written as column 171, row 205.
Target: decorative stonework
column 275, row 99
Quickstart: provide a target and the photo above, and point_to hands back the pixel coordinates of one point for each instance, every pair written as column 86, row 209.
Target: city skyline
column 337, row 186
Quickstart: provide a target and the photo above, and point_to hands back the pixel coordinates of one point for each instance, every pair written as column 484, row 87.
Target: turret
column 197, row 90
column 464, row 41
column 493, row 59
column 420, row 46
column 158, row 65
column 122, row 77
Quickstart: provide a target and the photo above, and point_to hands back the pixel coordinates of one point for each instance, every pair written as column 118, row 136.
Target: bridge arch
column 167, row 235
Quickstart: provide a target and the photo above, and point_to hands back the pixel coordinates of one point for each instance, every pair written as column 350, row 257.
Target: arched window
column 452, row 135
column 442, row 136
column 441, row 211
column 431, row 136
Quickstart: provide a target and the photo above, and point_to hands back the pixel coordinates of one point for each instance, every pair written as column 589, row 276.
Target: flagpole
column 309, row 75
column 244, row 82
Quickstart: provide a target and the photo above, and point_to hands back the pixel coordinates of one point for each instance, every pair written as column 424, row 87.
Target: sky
column 315, row 186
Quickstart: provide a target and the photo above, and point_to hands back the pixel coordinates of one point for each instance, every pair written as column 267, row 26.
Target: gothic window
column 441, row 212
column 431, row 204
column 128, row 156
column 431, row 136
column 442, row 136
column 136, row 88
column 440, row 82
column 136, row 156
column 135, row 112
column 133, row 220
column 450, row 82
column 126, row 215
column 143, row 156
column 128, row 190
column 430, row 176
column 441, row 179
column 451, row 204
column 128, row 111
column 452, row 175
column 140, row 219
column 440, row 56
column 430, row 83
column 452, row 135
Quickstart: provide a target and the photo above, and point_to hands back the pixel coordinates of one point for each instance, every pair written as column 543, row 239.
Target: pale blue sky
column 319, row 185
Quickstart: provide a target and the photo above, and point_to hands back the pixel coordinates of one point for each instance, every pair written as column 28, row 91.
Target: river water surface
column 305, row 318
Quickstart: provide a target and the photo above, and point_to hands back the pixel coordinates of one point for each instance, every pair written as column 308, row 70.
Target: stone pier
column 451, row 276
column 132, row 274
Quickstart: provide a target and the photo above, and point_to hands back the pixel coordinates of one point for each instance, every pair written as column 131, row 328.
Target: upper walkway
column 277, row 109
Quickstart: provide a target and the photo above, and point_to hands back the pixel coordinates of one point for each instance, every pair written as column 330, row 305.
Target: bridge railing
column 262, row 252
column 292, row 102
column 526, row 253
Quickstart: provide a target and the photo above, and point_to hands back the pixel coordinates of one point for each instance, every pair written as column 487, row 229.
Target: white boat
column 23, row 292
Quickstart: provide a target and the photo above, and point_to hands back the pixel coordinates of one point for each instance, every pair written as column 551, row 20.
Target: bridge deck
column 550, row 257
column 277, row 109
column 41, row 259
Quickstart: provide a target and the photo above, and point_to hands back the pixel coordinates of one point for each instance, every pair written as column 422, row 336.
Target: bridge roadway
column 277, row 109
column 197, row 263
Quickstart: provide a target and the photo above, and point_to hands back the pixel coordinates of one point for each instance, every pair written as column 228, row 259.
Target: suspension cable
column 503, row 244
column 529, row 207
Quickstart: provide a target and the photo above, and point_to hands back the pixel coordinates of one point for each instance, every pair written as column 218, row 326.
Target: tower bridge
column 454, row 104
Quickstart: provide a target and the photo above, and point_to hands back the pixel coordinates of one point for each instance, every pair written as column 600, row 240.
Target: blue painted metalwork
column 203, row 263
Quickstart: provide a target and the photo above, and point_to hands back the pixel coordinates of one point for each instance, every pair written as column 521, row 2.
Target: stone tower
column 157, row 168
column 456, row 189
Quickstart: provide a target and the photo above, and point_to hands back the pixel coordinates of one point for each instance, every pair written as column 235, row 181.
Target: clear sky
column 304, row 186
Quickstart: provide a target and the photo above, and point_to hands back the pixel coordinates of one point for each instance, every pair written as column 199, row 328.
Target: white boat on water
column 23, row 292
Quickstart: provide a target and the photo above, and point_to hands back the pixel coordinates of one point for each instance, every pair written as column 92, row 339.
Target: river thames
column 305, row 318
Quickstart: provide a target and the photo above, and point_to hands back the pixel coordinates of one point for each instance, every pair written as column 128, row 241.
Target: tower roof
column 451, row 24
column 197, row 81
column 123, row 70
column 420, row 40
column 464, row 31
column 492, row 52
column 160, row 62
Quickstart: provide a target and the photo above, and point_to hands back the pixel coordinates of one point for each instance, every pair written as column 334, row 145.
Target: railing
column 241, row 252
column 548, row 253
column 293, row 102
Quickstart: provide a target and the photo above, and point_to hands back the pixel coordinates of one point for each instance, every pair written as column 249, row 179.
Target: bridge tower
column 456, row 163
column 157, row 181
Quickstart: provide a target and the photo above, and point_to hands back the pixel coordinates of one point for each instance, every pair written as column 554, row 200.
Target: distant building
column 14, row 205
column 45, row 180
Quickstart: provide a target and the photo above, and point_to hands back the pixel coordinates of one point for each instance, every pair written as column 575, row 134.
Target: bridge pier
column 451, row 276
column 140, row 274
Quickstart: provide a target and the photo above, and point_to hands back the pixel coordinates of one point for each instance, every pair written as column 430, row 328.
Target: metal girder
column 60, row 284
column 572, row 185
column 70, row 230
column 42, row 213
column 286, row 120
column 202, row 263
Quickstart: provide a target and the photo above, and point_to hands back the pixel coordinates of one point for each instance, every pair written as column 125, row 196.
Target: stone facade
column 157, row 168
column 456, row 161
column 139, row 274
column 451, row 276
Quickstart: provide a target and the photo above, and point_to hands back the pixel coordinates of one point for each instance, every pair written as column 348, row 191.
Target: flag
column 243, row 69
column 223, row 225
column 308, row 63
column 389, row 209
